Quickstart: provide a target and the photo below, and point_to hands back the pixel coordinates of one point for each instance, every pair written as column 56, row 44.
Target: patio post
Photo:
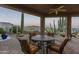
column 42, row 29
column 42, row 23
column 69, row 27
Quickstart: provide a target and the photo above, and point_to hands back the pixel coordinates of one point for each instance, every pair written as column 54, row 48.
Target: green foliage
column 19, row 29
column 14, row 29
column 51, row 28
column 10, row 29
column 54, row 26
column 62, row 24
column 48, row 29
column 2, row 30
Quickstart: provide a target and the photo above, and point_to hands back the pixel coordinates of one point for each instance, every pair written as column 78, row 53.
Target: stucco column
column 42, row 25
column 69, row 26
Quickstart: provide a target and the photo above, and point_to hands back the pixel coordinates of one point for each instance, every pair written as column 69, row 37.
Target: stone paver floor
column 12, row 46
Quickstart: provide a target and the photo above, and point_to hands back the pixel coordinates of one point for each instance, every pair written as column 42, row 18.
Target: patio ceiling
column 43, row 9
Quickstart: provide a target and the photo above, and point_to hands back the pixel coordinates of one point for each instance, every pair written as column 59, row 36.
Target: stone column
column 42, row 25
column 69, row 26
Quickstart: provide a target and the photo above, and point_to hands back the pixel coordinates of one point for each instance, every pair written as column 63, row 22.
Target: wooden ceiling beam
column 36, row 10
column 64, row 14
column 22, row 9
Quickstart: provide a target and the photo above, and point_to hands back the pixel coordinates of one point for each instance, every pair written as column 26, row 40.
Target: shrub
column 14, row 29
column 1, row 30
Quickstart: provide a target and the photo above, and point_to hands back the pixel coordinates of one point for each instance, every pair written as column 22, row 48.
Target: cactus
column 46, row 29
column 54, row 26
column 62, row 24
column 22, row 22
column 59, row 24
column 51, row 28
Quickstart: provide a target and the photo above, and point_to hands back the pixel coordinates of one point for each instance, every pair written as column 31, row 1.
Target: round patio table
column 43, row 41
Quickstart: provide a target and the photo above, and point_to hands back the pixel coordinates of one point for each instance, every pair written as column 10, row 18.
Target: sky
column 14, row 17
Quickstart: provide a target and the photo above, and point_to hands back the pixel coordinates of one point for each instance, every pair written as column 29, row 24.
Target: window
column 56, row 25
column 31, row 23
column 51, row 24
column 9, row 18
column 75, row 25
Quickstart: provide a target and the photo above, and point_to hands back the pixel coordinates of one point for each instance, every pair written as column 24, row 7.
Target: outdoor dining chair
column 50, row 34
column 31, row 34
column 28, row 48
column 58, row 48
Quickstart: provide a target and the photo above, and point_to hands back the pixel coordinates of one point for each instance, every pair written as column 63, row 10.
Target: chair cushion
column 54, row 47
column 33, row 48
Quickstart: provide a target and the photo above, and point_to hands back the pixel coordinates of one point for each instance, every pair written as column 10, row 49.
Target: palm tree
column 22, row 22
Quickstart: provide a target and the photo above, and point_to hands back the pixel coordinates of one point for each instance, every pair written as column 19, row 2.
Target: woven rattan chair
column 58, row 48
column 28, row 47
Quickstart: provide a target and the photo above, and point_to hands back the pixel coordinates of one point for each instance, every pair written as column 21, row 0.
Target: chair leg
column 46, row 50
column 61, row 52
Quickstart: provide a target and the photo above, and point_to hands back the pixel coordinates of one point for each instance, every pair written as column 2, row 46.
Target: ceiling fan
column 56, row 10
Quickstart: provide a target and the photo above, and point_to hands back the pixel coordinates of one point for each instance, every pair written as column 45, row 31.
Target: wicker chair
column 50, row 34
column 58, row 48
column 28, row 48
column 32, row 34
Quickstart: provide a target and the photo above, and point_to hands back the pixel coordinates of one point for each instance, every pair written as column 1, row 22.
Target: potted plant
column 4, row 35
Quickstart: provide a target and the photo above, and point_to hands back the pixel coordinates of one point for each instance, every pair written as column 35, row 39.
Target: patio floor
column 13, row 46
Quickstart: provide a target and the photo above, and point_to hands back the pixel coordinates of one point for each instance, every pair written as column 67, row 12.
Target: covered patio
column 42, row 11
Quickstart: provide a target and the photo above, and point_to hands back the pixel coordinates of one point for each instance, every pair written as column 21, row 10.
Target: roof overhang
column 42, row 9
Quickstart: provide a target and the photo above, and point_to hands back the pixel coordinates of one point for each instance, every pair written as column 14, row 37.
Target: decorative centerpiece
column 4, row 36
